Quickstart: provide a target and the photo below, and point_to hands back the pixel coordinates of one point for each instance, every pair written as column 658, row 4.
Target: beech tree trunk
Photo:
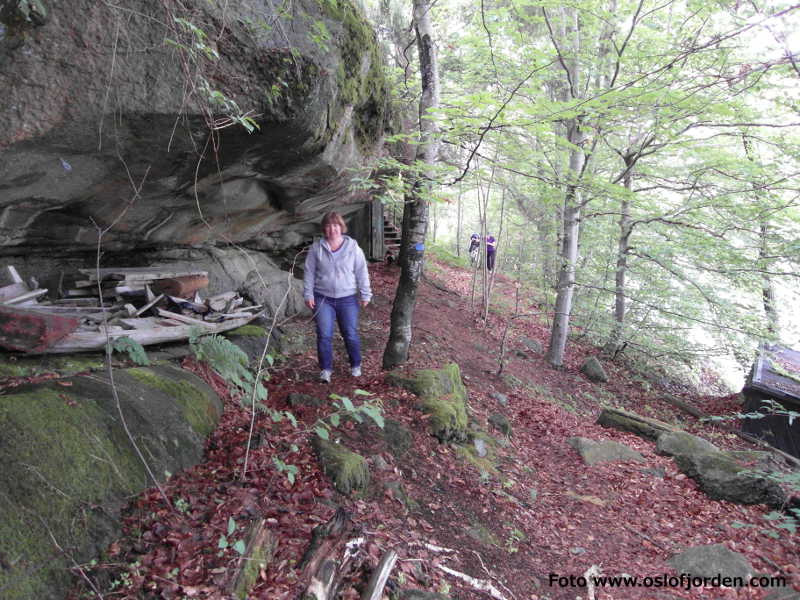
column 570, row 88
column 623, row 245
column 415, row 213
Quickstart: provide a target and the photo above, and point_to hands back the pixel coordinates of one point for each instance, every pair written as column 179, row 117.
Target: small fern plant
column 231, row 363
column 134, row 350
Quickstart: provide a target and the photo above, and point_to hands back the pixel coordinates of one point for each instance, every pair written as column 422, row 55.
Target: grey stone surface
column 107, row 136
column 675, row 443
column 710, row 561
column 420, row 595
column 533, row 345
column 593, row 452
column 722, row 478
column 480, row 447
column 594, row 370
column 501, row 398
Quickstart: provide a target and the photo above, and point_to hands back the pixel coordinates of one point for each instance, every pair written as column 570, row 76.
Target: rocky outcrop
column 69, row 464
column 166, row 127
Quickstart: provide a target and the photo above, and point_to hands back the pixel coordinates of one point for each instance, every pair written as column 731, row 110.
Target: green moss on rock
column 253, row 330
column 69, row 465
column 443, row 396
column 348, row 471
column 359, row 86
column 201, row 414
column 26, row 366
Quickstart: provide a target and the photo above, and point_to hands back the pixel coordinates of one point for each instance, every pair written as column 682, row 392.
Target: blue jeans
column 345, row 311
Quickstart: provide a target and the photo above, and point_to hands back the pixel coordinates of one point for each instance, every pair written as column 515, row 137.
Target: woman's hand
column 310, row 303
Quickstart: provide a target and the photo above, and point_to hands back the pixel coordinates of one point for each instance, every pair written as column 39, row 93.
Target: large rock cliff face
column 131, row 119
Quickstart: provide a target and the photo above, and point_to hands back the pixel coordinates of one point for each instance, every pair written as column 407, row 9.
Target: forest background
column 636, row 160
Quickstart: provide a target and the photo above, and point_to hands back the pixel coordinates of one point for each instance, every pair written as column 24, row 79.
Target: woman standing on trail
column 335, row 277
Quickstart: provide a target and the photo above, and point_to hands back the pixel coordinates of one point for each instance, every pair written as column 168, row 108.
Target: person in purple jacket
column 336, row 286
column 491, row 248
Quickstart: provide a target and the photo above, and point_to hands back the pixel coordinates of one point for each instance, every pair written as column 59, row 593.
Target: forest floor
column 532, row 511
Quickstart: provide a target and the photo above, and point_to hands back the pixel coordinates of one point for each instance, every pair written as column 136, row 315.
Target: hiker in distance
column 474, row 246
column 336, row 286
column 491, row 249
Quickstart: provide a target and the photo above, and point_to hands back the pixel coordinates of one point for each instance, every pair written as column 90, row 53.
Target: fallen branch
column 478, row 584
column 380, row 575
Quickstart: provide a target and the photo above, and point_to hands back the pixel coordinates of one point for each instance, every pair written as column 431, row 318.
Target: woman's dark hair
column 334, row 217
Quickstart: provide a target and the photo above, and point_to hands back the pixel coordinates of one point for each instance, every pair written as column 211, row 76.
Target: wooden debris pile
column 149, row 305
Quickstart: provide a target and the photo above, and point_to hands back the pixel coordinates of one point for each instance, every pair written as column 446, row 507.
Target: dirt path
column 532, row 513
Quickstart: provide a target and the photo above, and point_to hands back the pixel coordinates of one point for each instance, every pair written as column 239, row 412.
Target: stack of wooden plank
column 137, row 311
column 135, row 280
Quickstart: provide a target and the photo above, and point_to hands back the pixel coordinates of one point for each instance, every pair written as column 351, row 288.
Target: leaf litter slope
column 536, row 510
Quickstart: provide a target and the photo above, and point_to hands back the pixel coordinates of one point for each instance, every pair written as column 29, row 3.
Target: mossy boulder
column 500, row 422
column 594, row 371
column 69, row 465
column 675, row 443
column 443, row 396
column 348, row 471
column 722, row 478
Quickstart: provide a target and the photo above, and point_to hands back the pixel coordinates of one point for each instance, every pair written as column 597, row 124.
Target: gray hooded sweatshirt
column 336, row 274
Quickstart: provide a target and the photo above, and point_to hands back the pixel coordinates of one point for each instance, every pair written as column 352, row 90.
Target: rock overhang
column 123, row 120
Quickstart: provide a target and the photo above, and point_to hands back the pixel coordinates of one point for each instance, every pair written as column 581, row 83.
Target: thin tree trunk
column 415, row 213
column 572, row 202
column 623, row 246
column 459, row 217
column 767, row 286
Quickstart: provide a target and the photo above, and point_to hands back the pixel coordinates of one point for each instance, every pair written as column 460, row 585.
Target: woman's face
column 332, row 231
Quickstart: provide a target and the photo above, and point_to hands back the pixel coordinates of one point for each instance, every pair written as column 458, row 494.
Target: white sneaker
column 356, row 371
column 325, row 375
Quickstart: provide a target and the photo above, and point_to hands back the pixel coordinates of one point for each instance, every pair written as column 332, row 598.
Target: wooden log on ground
column 261, row 543
column 320, row 569
column 623, row 420
column 182, row 287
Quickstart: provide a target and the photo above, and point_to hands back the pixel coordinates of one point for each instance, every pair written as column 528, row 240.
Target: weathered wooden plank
column 13, row 290
column 149, row 305
column 23, row 297
column 141, row 274
column 33, row 331
column 183, row 318
column 80, row 341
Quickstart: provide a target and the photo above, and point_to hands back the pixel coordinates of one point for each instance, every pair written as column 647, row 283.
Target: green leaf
column 335, row 419
column 322, row 432
column 231, row 525
column 362, row 393
column 348, row 405
column 240, row 547
column 223, row 542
